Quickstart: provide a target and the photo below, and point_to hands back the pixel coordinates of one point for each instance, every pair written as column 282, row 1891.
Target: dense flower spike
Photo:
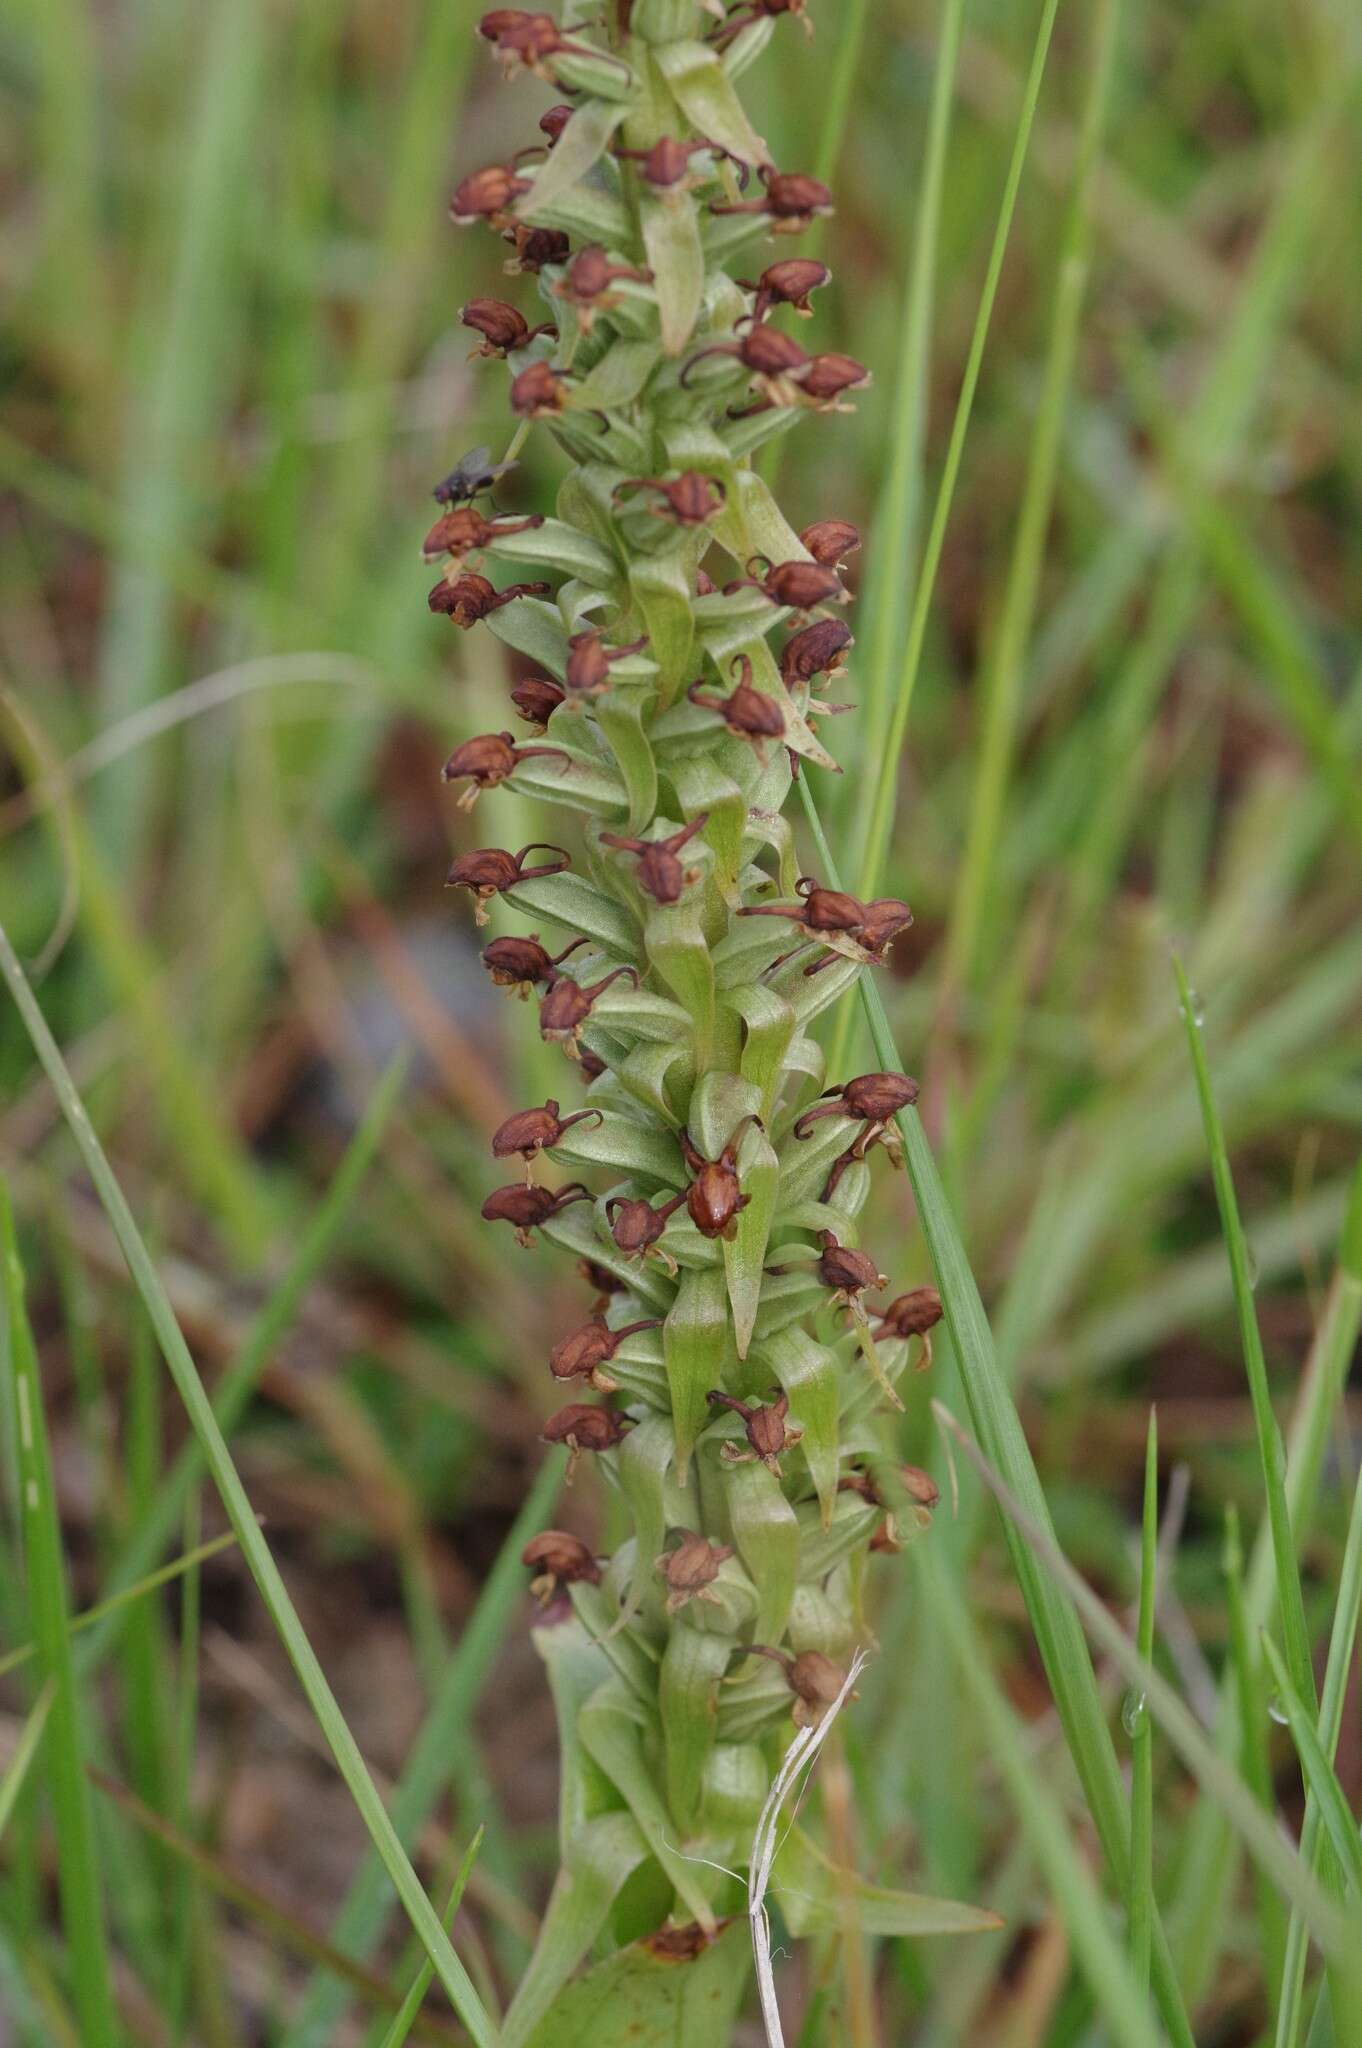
column 671, row 668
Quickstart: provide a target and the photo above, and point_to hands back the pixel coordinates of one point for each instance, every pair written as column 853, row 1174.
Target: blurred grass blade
column 25, row 1749
column 254, row 1548
column 1260, row 1834
column 880, row 816
column 238, row 1383
column 1140, row 1728
column 1317, row 1771
column 1271, row 1451
column 411, row 2004
column 1058, row 1633
column 434, row 1758
column 78, row 1879
column 88, row 1618
column 1254, row 1762
column 1332, row 1696
column 1115, row 1990
column 1002, row 678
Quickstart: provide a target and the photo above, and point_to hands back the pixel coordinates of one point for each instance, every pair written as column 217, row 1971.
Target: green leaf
column 752, row 523
column 579, row 1232
column 766, row 1532
column 671, row 237
column 704, row 92
column 618, row 377
column 579, row 784
column 745, row 1251
column 593, row 71
column 639, row 1012
column 611, row 1732
column 693, row 1663
column 823, row 1548
column 810, row 1375
column 696, row 1345
column 675, row 938
column 578, row 906
column 701, row 785
column 619, row 714
column 737, row 1781
column 637, row 1999
column 645, row 1459
column 534, row 628
column 556, row 545
column 602, row 1855
column 78, row 1874
column 661, row 588
column 1320, row 1778
column 815, row 1896
column 581, row 144
column 769, row 1026
column 625, row 1144
column 648, row 1070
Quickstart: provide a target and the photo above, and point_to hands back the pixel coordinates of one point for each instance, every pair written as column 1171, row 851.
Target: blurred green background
column 232, row 372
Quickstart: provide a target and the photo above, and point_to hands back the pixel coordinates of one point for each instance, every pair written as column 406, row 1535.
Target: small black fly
column 471, row 475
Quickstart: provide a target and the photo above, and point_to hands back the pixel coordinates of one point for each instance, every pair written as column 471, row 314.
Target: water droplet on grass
column 1133, row 1713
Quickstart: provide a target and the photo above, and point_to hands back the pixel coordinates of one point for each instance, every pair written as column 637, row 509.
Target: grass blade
column 1115, row 1989
column 1003, row 673
column 177, row 1567
column 256, row 1551
column 1336, row 1672
column 25, row 1749
column 1317, row 1771
column 1254, row 1763
column 237, row 1385
column 1141, row 1729
column 82, row 1905
column 880, row 817
column 411, row 2004
column 1271, row 1451
column 1054, row 1621
column 434, row 1757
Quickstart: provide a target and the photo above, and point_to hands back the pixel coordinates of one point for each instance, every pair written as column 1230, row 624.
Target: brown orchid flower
column 503, row 328
column 524, row 964
column 792, row 200
column 765, row 1427
column 558, row 1559
column 536, row 699
column 714, row 1197
column 468, row 598
column 748, row 713
column 690, row 499
column 637, row 1225
column 799, row 586
column 788, row 283
column 490, row 869
column 464, row 530
column 660, row 870
column 813, row 1678
column 691, row 1569
column 583, row 1427
column 525, row 1208
column 589, row 661
column 532, row 1131
column 585, row 1353
column 568, row 1004
column 488, row 760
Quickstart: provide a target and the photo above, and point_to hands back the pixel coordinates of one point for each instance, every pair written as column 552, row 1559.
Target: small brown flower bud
column 660, row 869
column 589, row 661
column 846, row 1271
column 536, row 699
column 911, row 1314
column 829, row 541
column 666, row 164
column 802, row 585
column 530, row 1131
column 813, row 1678
column 491, row 869
column 814, row 650
column 502, row 327
column 690, row 499
column 486, row 194
column 583, row 1353
column 636, row 1225
column 583, row 1427
column 558, row 1559
column 522, row 964
column 691, row 1569
column 714, row 1198
column 828, row 376
column 535, row 247
column 873, row 1097
column 488, row 760
column 524, row 1207
column 554, row 122
column 748, row 713
column 788, row 284
column 764, row 1425
column 587, row 280
column 468, row 598
column 521, row 38
column 568, row 1004
column 537, row 392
